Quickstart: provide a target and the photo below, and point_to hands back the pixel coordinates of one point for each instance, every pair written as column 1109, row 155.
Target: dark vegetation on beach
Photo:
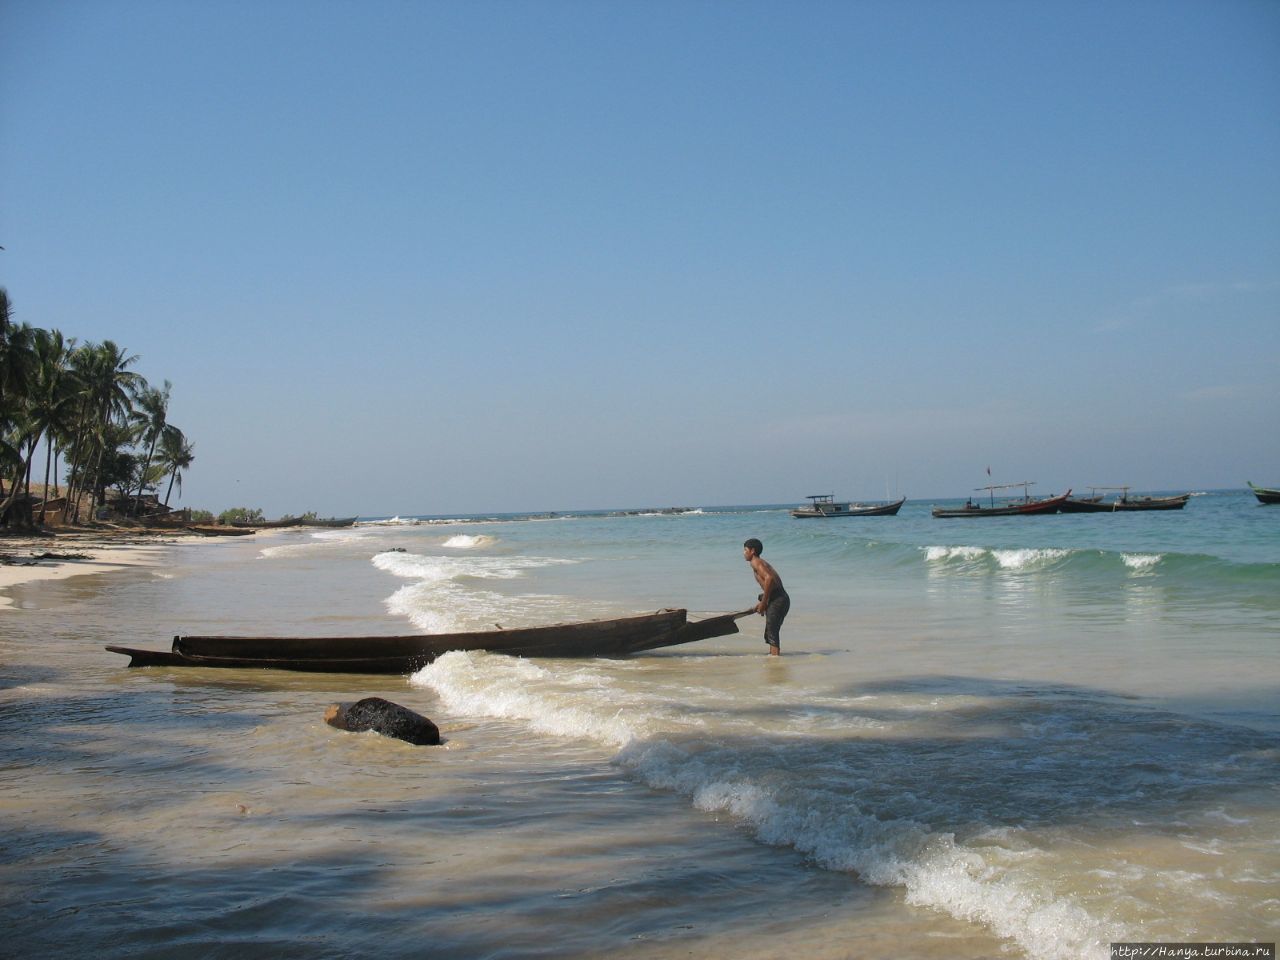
column 96, row 417
column 36, row 559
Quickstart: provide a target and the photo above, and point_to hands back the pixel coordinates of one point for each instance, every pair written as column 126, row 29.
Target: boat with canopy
column 1017, row 507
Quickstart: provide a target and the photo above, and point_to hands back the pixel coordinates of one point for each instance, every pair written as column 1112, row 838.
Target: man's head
column 752, row 548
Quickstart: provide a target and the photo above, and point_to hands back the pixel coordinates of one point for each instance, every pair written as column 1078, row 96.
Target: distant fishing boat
column 1097, row 503
column 331, row 522
column 825, row 505
column 1021, row 507
column 1265, row 494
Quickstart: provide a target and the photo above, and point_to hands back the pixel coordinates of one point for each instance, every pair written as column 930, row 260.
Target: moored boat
column 1123, row 503
column 1020, row 507
column 405, row 654
column 1265, row 494
column 331, row 522
column 268, row 524
column 825, row 505
column 214, row 530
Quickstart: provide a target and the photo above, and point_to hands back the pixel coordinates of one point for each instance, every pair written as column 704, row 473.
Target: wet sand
column 27, row 559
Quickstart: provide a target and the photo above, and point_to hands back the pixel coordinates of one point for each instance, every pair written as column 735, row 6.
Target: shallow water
column 1025, row 737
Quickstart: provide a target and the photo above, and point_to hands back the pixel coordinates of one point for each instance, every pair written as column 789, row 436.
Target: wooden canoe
column 267, row 524
column 405, row 654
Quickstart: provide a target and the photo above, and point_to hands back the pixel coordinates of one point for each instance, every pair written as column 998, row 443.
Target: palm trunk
column 94, row 499
column 48, row 464
column 169, row 490
column 142, row 480
column 12, row 498
column 73, row 489
column 82, row 463
column 31, row 458
column 97, row 496
column 21, row 478
column 15, row 486
column 75, row 470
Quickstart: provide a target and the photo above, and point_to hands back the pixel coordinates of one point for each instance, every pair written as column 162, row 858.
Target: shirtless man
column 774, row 602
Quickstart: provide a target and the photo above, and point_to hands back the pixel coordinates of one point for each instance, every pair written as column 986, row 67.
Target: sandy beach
column 77, row 553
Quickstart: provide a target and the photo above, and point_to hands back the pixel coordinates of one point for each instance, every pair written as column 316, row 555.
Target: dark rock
column 384, row 717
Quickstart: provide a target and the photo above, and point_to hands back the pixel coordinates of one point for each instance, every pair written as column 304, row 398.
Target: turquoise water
column 997, row 737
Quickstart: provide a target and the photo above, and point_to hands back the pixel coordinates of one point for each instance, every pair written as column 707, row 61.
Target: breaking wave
column 467, row 542
column 971, row 825
column 445, row 595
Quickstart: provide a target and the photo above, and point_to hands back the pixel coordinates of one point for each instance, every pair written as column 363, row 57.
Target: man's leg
column 774, row 615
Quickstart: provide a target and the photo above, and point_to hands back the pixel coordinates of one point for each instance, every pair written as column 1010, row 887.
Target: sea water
column 1027, row 736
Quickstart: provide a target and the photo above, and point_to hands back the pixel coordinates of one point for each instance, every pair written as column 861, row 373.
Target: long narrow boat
column 214, row 530
column 1265, row 494
column 402, row 655
column 1023, row 507
column 331, row 522
column 267, row 524
column 825, row 505
column 1123, row 503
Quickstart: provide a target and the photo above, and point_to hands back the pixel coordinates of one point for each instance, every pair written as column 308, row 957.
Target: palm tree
column 14, row 363
column 109, row 389
column 154, row 408
column 17, row 350
column 177, row 454
column 17, row 361
column 51, row 400
column 89, row 408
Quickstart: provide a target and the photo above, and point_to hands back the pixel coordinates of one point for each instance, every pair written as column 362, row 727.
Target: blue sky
column 443, row 257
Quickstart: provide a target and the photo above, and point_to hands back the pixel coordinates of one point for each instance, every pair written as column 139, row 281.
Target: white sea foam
column 1011, row 559
column 934, row 554
column 1141, row 561
column 326, row 539
column 466, row 542
column 345, row 535
column 1028, row 559
column 760, row 785
column 286, row 550
column 423, row 567
column 479, row 684
column 444, row 597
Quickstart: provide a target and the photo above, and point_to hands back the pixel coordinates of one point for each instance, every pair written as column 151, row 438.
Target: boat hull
column 405, row 654
column 1124, row 505
column 1030, row 508
column 1265, row 495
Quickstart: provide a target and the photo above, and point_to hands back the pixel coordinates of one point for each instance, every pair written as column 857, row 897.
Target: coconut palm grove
column 80, row 429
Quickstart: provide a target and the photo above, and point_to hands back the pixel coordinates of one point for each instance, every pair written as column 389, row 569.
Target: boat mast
column 1026, row 486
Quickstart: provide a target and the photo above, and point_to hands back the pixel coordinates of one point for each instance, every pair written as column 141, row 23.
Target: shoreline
column 32, row 558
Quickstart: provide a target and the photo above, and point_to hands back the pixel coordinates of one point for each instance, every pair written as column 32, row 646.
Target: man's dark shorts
column 774, row 614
